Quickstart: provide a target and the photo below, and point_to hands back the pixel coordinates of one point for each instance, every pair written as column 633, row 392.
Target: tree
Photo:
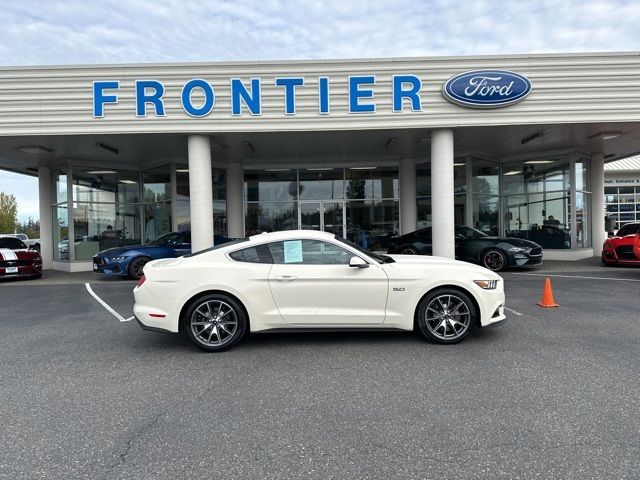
column 8, row 212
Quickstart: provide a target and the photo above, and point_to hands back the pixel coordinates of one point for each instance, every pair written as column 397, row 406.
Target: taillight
column 141, row 281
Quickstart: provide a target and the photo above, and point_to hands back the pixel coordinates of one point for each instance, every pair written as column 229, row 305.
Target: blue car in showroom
column 128, row 261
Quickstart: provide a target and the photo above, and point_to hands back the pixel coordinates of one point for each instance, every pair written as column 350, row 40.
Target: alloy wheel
column 447, row 317
column 408, row 251
column 214, row 323
column 493, row 260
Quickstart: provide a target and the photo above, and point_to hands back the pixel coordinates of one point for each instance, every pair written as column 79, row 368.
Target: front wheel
column 494, row 260
column 136, row 267
column 408, row 251
column 446, row 316
column 215, row 322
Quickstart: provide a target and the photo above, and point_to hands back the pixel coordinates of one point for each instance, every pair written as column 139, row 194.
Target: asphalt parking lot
column 553, row 393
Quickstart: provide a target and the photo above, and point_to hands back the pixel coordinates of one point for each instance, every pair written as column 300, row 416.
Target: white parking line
column 579, row 276
column 513, row 311
column 106, row 305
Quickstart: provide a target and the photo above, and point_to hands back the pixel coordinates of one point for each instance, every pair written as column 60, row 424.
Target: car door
column 313, row 285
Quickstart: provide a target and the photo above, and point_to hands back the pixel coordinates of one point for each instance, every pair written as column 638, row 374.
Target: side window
column 309, row 252
column 259, row 254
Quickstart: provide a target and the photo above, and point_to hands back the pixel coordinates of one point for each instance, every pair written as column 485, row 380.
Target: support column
column 407, row 184
column 235, row 200
column 442, row 204
column 599, row 234
column 46, row 225
column 200, row 192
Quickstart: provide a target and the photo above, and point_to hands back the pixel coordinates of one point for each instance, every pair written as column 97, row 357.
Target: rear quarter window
column 257, row 254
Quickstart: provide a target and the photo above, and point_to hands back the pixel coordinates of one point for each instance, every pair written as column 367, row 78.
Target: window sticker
column 293, row 251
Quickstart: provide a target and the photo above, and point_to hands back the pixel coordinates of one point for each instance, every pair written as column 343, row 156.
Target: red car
column 624, row 247
column 17, row 260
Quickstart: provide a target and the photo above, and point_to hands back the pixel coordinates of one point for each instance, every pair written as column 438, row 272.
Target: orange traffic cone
column 547, row 299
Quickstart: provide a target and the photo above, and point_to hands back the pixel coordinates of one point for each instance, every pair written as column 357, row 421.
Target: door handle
column 285, row 278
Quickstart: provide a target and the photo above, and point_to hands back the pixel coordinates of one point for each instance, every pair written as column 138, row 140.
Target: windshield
column 470, row 233
column 11, row 243
column 628, row 229
column 376, row 256
column 165, row 239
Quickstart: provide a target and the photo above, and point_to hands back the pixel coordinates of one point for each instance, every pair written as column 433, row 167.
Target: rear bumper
column 153, row 312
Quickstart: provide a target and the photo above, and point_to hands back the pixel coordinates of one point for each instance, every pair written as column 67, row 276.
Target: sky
column 107, row 31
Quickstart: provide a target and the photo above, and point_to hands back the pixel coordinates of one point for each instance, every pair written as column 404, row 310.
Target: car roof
column 291, row 234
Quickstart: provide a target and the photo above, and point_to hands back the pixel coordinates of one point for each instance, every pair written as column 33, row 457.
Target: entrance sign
column 486, row 88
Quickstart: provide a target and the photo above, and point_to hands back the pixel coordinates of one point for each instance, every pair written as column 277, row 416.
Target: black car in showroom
column 494, row 253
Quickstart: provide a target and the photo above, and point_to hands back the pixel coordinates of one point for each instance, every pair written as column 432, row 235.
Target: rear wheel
column 446, row 316
column 136, row 267
column 215, row 322
column 494, row 260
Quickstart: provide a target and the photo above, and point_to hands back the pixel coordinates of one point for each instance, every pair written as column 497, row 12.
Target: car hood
column 516, row 242
column 425, row 261
column 118, row 251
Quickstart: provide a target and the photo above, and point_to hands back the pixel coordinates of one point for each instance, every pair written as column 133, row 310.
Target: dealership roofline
column 328, row 61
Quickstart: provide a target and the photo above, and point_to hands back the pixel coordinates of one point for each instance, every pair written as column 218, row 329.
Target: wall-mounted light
column 459, row 164
column 362, row 168
column 532, row 137
column 35, row 149
column 606, row 135
column 182, row 170
column 101, row 172
column 389, row 143
column 513, row 172
column 108, row 148
column 128, row 182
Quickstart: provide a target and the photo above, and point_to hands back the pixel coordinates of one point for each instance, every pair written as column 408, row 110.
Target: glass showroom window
column 182, row 207
column 270, row 200
column 372, row 206
column 623, row 205
column 105, row 210
column 423, row 190
column 157, row 202
column 485, row 188
column 583, row 203
column 60, row 216
column 537, row 201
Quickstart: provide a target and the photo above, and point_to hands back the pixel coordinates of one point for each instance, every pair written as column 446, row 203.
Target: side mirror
column 357, row 262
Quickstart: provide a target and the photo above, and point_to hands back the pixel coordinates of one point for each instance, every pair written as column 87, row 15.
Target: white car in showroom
column 303, row 279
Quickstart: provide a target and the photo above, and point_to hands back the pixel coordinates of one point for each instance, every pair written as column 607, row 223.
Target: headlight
column 517, row 249
column 116, row 259
column 486, row 284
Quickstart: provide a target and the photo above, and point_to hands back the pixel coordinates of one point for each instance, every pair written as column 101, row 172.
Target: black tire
column 408, row 250
column 201, row 320
column 136, row 266
column 437, row 319
column 494, row 259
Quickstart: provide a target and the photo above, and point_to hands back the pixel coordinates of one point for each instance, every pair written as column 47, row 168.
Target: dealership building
column 510, row 145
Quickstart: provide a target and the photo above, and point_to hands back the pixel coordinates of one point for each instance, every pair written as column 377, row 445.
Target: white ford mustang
column 303, row 279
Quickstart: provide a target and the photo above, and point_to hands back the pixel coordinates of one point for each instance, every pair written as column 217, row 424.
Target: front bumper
column 105, row 266
column 24, row 271
column 526, row 259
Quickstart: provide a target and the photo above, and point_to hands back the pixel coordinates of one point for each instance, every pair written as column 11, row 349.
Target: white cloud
column 79, row 31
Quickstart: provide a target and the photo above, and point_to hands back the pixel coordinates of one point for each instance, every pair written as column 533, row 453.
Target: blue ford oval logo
column 486, row 88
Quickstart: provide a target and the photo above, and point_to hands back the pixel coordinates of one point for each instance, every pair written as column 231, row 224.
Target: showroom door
column 326, row 216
